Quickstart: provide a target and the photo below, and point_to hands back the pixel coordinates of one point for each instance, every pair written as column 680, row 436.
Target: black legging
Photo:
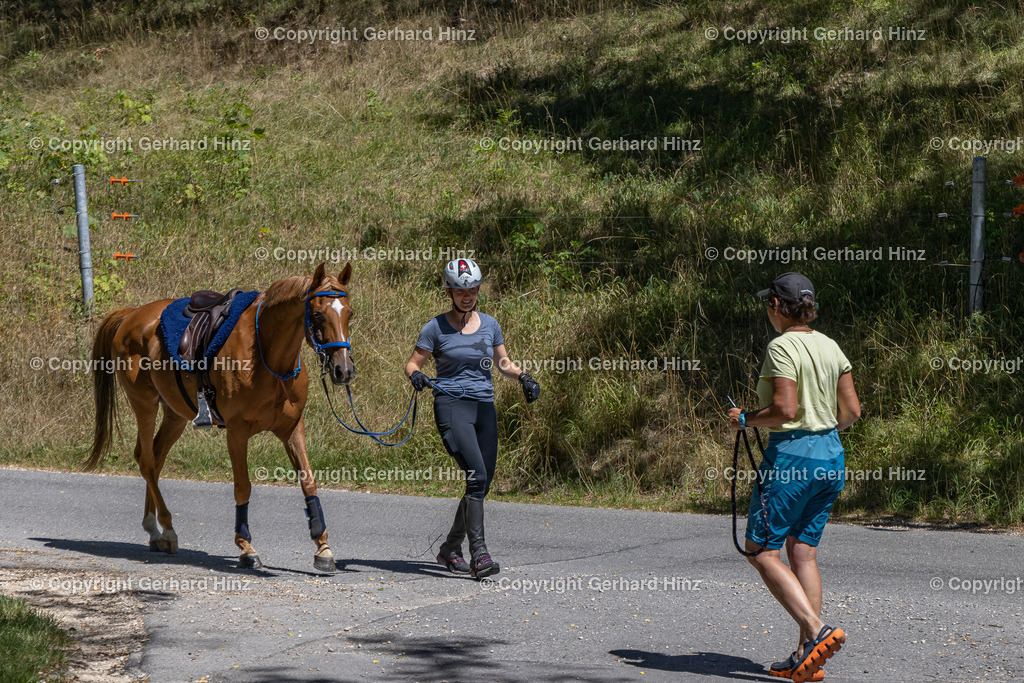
column 469, row 430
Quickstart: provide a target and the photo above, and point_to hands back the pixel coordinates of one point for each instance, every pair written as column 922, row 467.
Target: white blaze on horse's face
column 338, row 308
column 342, row 368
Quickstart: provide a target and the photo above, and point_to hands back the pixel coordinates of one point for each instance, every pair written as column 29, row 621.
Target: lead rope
column 757, row 482
column 363, row 431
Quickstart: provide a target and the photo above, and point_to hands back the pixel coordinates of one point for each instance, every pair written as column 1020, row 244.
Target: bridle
column 322, row 349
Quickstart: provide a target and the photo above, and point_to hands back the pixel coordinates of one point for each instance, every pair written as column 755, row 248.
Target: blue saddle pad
column 173, row 323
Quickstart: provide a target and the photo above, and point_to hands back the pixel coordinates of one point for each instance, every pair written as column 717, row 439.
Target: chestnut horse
column 259, row 388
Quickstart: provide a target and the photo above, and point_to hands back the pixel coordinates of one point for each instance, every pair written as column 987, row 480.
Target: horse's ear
column 318, row 277
column 345, row 274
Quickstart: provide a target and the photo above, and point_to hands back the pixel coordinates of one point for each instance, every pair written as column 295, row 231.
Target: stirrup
column 203, row 419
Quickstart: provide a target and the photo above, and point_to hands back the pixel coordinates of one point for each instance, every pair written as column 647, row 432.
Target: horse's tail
column 104, row 385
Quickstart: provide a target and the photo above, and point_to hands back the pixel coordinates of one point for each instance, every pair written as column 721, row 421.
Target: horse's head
column 328, row 316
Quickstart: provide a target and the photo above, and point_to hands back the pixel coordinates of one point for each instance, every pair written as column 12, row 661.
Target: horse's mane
column 284, row 290
column 294, row 287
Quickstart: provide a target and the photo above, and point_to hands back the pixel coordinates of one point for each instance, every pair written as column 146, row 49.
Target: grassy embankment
column 590, row 254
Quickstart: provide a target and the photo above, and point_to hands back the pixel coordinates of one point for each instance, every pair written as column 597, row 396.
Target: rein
column 760, row 487
column 413, row 402
column 322, row 351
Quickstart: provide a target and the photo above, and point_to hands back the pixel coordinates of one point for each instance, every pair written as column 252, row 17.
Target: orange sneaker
column 785, row 669
column 817, row 652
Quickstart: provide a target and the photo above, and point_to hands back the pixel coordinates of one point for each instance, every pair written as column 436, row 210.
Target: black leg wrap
column 315, row 514
column 242, row 521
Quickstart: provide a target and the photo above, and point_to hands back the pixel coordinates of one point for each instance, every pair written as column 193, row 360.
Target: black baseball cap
column 789, row 287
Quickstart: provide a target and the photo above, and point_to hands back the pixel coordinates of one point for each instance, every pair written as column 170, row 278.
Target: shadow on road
column 711, row 663
column 432, row 658
column 278, row 674
column 469, row 659
column 394, row 567
column 142, row 553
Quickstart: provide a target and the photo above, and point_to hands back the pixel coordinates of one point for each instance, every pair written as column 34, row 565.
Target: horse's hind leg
column 149, row 516
column 145, row 408
column 170, row 431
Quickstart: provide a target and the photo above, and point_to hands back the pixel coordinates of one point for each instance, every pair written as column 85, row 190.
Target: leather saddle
column 208, row 310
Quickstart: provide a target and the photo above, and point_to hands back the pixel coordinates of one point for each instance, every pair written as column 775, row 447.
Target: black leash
column 742, row 434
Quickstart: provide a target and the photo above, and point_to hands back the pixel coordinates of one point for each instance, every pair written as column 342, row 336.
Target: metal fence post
column 84, row 251
column 975, row 292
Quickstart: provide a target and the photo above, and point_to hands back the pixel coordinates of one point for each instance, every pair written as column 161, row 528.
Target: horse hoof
column 163, row 545
column 250, row 561
column 325, row 563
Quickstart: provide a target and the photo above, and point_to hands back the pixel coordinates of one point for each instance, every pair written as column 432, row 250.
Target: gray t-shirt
column 464, row 358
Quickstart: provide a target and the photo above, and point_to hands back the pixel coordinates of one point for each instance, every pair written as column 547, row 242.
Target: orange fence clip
column 124, row 181
column 1018, row 181
column 1018, row 211
column 115, row 215
column 127, row 257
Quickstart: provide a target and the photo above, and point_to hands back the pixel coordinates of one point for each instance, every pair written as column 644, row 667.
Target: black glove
column 530, row 387
column 419, row 380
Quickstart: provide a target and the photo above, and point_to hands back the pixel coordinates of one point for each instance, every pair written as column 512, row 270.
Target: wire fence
column 116, row 195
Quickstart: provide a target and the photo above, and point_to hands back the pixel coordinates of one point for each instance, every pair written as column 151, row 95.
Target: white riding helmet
column 462, row 273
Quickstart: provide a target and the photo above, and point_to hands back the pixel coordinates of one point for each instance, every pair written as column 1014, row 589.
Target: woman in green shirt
column 807, row 391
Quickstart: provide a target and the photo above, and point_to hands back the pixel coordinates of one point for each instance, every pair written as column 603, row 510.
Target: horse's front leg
column 238, row 449
column 294, row 440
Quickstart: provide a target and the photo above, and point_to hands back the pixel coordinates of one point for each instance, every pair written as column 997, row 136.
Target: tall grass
column 589, row 254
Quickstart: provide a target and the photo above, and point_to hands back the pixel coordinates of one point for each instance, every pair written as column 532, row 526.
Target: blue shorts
column 799, row 479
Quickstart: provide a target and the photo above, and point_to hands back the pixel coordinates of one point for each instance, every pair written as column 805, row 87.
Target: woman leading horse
column 263, row 388
column 465, row 344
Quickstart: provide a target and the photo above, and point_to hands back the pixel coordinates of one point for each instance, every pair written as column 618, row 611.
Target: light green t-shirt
column 815, row 363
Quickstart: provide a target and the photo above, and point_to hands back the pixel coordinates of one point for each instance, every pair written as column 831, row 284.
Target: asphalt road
column 585, row 594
